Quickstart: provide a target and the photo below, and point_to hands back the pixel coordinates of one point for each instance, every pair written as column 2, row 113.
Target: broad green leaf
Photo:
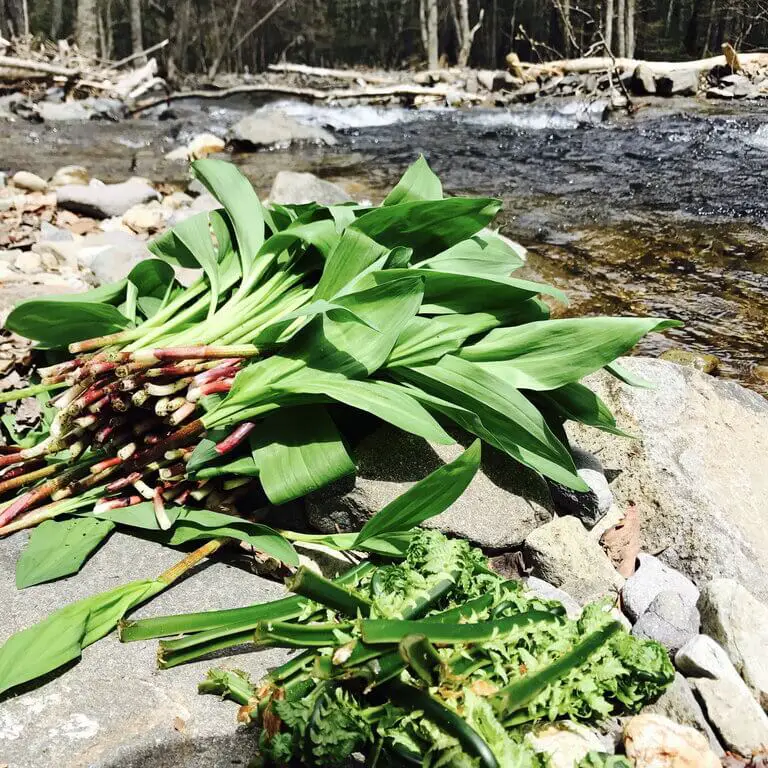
column 548, row 354
column 298, row 451
column 392, row 545
column 429, row 497
column 74, row 320
column 140, row 515
column 57, row 549
column 195, row 234
column 428, row 227
column 152, row 277
column 353, row 253
column 59, row 638
column 383, row 399
column 425, row 340
column 195, row 524
column 576, row 402
column 322, row 307
column 483, row 254
column 418, row 183
column 507, row 420
column 225, row 182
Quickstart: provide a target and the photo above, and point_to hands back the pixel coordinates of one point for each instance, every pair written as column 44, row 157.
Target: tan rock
column 29, row 181
column 653, row 741
column 202, row 145
column 147, row 218
column 565, row 743
column 70, row 174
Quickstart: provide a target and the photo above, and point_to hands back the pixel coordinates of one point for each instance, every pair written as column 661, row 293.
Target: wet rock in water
column 649, row 579
column 502, row 505
column 265, row 129
column 564, row 742
column 653, row 741
column 681, row 82
column 701, row 656
column 701, row 361
column 563, row 554
column 679, row 704
column 589, row 506
column 544, row 589
column 70, row 174
column 670, row 620
column 739, row 622
column 292, row 188
column 719, row 93
column 102, row 201
column 114, row 708
column 202, row 145
column 643, row 81
column 737, row 719
column 697, row 475
column 527, row 92
column 30, row 182
column 492, row 80
column 62, row 112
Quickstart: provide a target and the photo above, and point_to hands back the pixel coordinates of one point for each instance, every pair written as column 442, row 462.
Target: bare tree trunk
column 432, row 35
column 14, row 21
column 137, row 39
column 464, row 33
column 87, row 27
column 223, row 47
column 630, row 42
column 423, row 24
column 670, row 12
column 57, row 18
column 621, row 28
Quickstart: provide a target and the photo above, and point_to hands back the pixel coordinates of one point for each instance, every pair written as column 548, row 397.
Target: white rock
column 652, row 577
column 28, row 262
column 177, row 200
column 734, row 714
column 30, row 182
column 703, row 657
column 562, row 553
column 267, row 128
column 653, row 741
column 565, row 743
column 739, row 623
column 104, row 200
column 292, row 188
column 544, row 589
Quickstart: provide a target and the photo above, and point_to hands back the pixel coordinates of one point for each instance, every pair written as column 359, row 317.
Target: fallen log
column 23, row 66
column 603, row 63
column 312, row 94
column 335, row 74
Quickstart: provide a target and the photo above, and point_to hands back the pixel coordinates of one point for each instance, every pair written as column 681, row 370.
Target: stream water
column 664, row 212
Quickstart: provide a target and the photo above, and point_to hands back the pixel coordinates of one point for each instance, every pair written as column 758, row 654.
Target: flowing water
column 664, row 212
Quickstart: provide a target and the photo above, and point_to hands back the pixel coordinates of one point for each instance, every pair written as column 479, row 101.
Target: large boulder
column 266, row 129
column 502, row 505
column 101, row 201
column 678, row 82
column 697, row 472
column 292, row 188
column 115, row 709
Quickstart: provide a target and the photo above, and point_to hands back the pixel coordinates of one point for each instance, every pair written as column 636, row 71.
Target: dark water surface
column 661, row 213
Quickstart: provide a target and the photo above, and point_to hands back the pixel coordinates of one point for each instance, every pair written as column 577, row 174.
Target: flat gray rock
column 292, row 188
column 651, row 577
column 736, row 717
column 679, row 704
column 698, row 474
column 739, row 623
column 115, row 709
column 502, row 505
column 589, row 506
column 265, row 129
column 101, row 201
column 563, row 554
column 670, row 620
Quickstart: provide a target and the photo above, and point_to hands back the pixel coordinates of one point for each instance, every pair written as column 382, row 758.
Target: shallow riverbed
column 661, row 213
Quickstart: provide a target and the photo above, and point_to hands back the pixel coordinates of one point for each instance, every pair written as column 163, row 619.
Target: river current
column 663, row 212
